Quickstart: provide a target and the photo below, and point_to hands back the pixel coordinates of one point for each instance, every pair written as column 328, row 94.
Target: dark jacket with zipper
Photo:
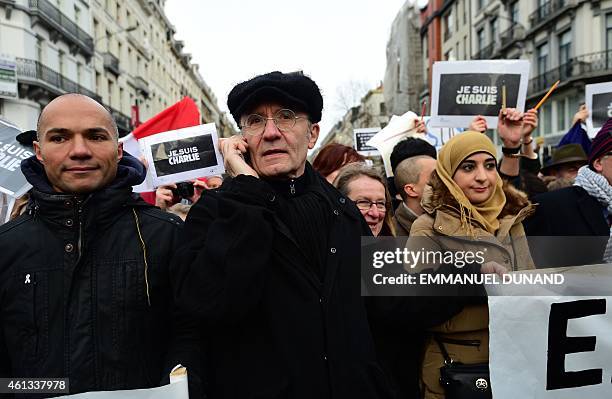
column 77, row 299
column 275, row 326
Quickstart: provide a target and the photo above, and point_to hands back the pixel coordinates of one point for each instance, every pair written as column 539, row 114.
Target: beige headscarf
column 455, row 151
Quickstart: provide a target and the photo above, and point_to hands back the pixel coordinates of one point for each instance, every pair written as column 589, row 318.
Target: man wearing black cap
column 274, row 258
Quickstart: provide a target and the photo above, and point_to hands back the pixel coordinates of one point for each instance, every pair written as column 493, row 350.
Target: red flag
column 183, row 114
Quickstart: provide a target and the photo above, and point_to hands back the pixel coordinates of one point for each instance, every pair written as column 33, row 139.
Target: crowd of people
column 259, row 292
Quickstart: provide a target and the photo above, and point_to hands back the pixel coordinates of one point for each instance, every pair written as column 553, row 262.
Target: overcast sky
column 332, row 41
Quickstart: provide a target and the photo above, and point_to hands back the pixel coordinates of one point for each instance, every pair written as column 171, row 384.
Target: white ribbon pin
column 27, row 279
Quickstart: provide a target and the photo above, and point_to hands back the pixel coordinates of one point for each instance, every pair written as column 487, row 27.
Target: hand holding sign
column 530, row 122
column 233, row 150
column 510, row 127
column 581, row 116
column 479, row 124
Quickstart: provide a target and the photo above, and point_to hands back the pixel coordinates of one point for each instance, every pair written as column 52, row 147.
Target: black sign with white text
column 476, row 93
column 183, row 155
column 602, row 109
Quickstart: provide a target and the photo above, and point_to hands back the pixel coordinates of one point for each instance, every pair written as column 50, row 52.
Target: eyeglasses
column 365, row 205
column 284, row 120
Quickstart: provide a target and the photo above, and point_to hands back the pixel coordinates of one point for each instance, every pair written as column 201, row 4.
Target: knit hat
column 411, row 147
column 602, row 143
column 291, row 90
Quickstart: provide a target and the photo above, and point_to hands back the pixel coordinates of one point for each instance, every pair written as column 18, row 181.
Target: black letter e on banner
column 559, row 344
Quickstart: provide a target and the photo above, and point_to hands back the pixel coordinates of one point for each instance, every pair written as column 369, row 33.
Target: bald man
column 85, row 283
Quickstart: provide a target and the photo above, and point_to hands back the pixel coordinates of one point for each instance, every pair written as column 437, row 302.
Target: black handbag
column 464, row 381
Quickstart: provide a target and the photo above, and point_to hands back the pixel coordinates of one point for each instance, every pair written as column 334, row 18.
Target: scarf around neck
column 452, row 154
column 596, row 185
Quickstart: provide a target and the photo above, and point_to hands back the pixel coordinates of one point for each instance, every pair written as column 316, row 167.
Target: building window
column 111, row 89
column 480, row 39
column 480, row 4
column 79, row 68
column 565, row 54
column 465, row 11
column 494, row 26
column 77, row 15
column 60, row 57
column 40, row 50
column 514, row 12
column 609, row 40
column 561, row 114
column 546, row 119
column 565, row 47
column 448, row 25
column 542, row 58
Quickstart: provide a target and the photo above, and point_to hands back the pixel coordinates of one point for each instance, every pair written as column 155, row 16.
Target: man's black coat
column 568, row 229
column 73, row 286
column 272, row 328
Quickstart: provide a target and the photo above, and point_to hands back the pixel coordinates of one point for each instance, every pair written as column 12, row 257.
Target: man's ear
column 37, row 151
column 314, row 135
column 598, row 166
column 409, row 190
column 119, row 151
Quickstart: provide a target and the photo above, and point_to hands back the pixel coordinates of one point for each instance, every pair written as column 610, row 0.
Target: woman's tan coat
column 441, row 229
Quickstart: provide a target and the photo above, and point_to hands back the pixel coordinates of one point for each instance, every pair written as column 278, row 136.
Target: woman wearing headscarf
column 468, row 209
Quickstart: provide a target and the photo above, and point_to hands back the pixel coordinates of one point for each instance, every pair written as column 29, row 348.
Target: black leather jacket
column 77, row 298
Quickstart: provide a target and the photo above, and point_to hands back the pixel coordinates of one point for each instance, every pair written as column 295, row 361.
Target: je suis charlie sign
column 463, row 89
column 183, row 154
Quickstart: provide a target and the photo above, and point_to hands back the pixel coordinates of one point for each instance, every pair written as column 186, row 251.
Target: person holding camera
column 187, row 193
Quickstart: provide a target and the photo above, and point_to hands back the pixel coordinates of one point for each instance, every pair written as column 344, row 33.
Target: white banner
column 461, row 90
column 177, row 389
column 552, row 347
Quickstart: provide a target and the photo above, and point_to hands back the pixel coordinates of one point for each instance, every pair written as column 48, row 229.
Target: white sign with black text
column 183, row 154
column 361, row 137
column 553, row 347
column 462, row 90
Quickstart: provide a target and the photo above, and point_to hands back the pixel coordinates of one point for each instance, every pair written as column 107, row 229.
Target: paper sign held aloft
column 599, row 103
column 399, row 128
column 462, row 90
column 12, row 181
column 360, row 139
column 183, row 154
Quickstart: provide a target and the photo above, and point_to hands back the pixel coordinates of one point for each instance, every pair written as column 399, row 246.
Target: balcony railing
column 546, row 11
column 54, row 18
column 514, row 33
column 123, row 121
column 485, row 53
column 142, row 85
column 111, row 63
column 35, row 71
column 583, row 66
